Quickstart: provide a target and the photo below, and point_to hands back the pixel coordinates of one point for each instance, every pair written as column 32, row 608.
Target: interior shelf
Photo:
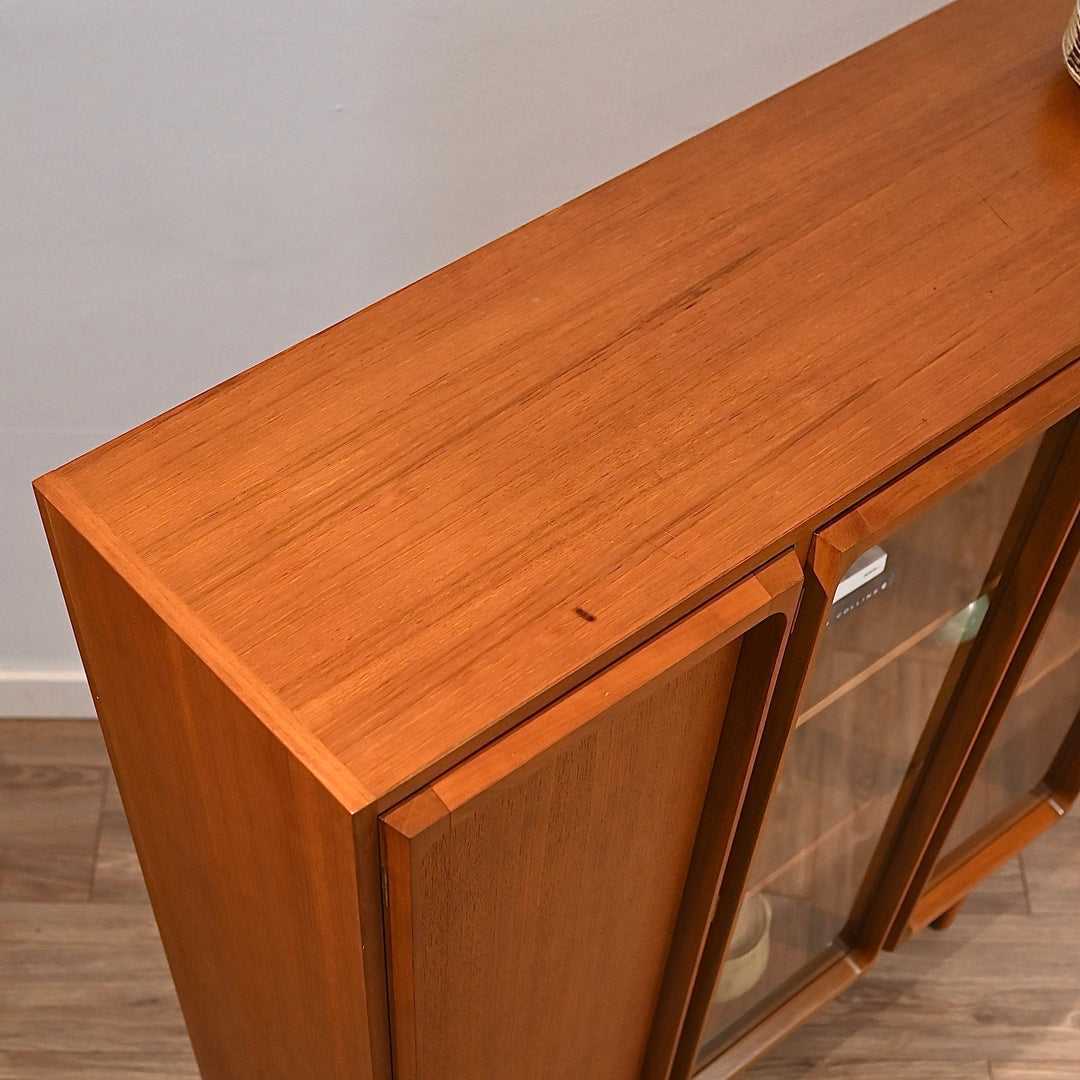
column 843, row 838
column 872, row 668
column 1060, row 645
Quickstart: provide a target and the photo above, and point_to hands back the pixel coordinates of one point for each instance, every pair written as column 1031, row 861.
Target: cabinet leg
column 945, row 919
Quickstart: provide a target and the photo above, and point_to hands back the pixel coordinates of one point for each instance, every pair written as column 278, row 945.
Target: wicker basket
column 1070, row 44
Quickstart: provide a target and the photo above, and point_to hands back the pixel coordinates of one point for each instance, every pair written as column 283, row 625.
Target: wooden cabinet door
column 541, row 892
column 914, row 605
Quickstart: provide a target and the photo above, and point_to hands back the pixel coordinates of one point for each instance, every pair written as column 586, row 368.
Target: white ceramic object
column 1070, row 44
column 748, row 952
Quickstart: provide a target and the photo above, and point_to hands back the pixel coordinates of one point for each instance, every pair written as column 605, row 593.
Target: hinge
column 384, row 880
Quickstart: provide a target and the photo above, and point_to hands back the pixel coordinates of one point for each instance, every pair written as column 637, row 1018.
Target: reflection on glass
column 1036, row 721
column 895, row 626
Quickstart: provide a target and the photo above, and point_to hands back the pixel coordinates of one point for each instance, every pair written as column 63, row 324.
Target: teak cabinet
column 583, row 662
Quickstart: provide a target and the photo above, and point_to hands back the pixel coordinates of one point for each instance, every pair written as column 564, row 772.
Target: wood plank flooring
column 84, row 988
column 85, row 992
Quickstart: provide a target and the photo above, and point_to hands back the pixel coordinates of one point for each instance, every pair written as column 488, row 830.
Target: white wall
column 187, row 188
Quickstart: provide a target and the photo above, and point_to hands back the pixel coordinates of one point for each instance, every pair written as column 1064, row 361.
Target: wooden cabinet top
column 414, row 528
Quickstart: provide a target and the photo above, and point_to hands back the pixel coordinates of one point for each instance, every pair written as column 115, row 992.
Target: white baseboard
column 61, row 694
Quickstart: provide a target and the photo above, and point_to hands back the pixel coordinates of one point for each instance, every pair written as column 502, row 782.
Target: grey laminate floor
column 84, row 991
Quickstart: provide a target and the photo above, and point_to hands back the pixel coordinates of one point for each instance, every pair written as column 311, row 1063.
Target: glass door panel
column 922, row 586
column 1035, row 723
column 900, row 619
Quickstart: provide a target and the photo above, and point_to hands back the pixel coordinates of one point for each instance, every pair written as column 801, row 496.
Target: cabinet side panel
column 249, row 861
column 542, row 909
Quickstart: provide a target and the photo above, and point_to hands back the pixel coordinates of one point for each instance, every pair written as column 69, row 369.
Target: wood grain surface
column 531, row 460
column 689, row 963
column 250, row 861
column 549, row 869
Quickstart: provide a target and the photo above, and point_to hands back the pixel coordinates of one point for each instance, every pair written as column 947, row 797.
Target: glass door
column 1023, row 772
column 910, row 599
